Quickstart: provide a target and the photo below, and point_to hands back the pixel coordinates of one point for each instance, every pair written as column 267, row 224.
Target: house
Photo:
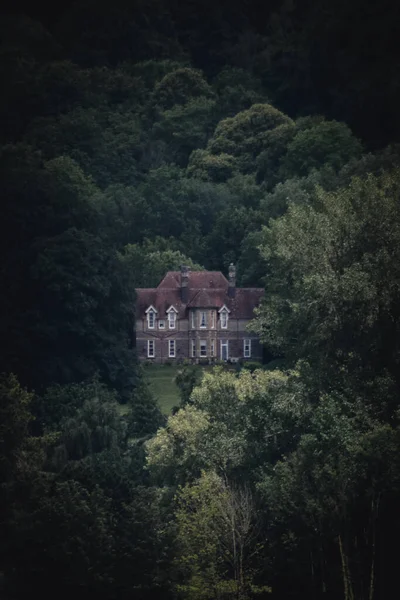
column 197, row 315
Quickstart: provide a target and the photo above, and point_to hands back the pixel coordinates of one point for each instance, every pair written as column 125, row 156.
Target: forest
column 140, row 135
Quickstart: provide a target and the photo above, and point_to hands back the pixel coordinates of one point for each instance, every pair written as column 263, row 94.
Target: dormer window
column 224, row 320
column 224, row 315
column 151, row 317
column 171, row 312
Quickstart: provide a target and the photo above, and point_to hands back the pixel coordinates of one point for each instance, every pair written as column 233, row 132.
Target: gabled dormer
column 151, row 313
column 172, row 313
column 224, row 316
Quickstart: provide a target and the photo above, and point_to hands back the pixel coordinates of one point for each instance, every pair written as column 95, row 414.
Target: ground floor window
column 193, row 348
column 212, row 348
column 247, row 348
column 150, row 349
column 224, row 350
column 171, row 349
column 203, row 348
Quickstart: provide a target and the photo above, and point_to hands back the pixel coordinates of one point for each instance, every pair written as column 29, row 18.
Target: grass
column 162, row 383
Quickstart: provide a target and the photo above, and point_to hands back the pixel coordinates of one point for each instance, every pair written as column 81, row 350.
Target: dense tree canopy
column 140, row 136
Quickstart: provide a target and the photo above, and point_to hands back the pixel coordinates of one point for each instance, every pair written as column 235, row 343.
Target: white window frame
column 213, row 319
column 247, row 348
column 172, row 312
column 151, row 312
column 203, row 314
column 224, row 319
column 193, row 348
column 151, row 344
column 171, row 348
column 225, row 343
column 212, row 348
column 151, row 319
column 203, row 345
column 161, row 324
column 193, row 319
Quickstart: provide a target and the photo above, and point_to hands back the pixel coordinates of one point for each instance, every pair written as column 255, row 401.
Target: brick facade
column 210, row 313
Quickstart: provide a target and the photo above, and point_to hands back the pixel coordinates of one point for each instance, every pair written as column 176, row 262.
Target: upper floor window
column 193, row 319
column 247, row 348
column 213, row 319
column 150, row 349
column 151, row 317
column 224, row 319
column 171, row 312
column 171, row 319
column 203, row 320
column 161, row 324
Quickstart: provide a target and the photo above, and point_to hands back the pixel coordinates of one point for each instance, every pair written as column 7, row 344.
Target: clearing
column 162, row 383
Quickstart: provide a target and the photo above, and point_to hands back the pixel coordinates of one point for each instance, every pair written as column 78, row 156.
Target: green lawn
column 162, row 383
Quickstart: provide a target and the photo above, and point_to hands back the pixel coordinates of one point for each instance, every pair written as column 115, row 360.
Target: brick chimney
column 232, row 281
column 184, row 284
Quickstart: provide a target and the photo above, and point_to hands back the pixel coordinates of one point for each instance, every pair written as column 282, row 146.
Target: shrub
column 252, row 365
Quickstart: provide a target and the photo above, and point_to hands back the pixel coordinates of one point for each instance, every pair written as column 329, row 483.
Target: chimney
column 184, row 284
column 232, row 281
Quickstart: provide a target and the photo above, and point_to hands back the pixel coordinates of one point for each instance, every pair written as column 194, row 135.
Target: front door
column 224, row 351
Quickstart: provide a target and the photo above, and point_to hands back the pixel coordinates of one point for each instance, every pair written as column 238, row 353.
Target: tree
column 148, row 265
column 186, row 379
column 319, row 144
column 217, row 539
column 333, row 270
column 247, row 134
column 181, row 86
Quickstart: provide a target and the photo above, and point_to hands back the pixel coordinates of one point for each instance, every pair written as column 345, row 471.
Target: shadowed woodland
column 139, row 136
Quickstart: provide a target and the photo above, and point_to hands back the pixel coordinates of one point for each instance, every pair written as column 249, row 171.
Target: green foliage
column 217, row 548
column 333, row 271
column 249, row 133
column 180, row 86
column 251, row 365
column 15, row 417
column 186, row 379
column 148, row 265
column 327, row 143
column 121, row 159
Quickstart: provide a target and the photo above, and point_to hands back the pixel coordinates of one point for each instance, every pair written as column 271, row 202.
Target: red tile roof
column 206, row 289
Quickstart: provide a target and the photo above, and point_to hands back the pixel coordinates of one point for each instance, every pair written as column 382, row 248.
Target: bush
column 252, row 365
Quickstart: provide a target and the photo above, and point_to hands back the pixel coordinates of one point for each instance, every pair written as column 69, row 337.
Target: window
column 193, row 319
column 224, row 319
column 171, row 348
column 212, row 348
column 203, row 321
column 150, row 319
column 247, row 348
column 224, row 350
column 203, row 347
column 161, row 324
column 150, row 349
column 193, row 348
column 213, row 319
column 171, row 319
